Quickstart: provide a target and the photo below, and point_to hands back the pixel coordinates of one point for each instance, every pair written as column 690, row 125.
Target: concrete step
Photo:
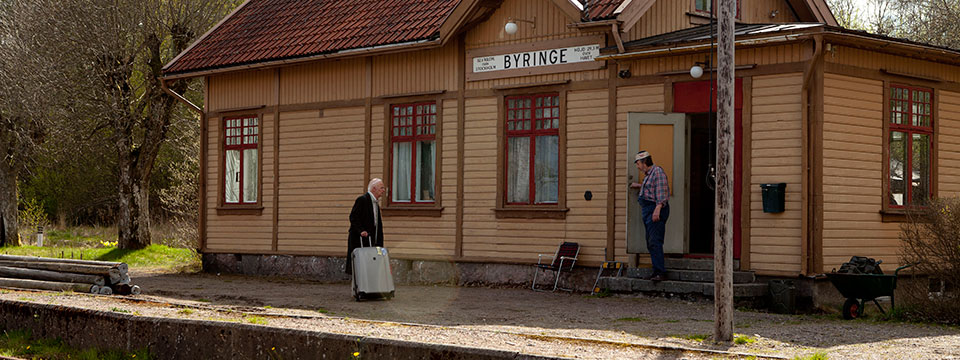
column 693, row 264
column 633, row 285
column 739, row 277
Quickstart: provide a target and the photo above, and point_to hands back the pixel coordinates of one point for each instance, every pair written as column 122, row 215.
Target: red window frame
column 236, row 138
column 412, row 128
column 906, row 126
column 510, row 130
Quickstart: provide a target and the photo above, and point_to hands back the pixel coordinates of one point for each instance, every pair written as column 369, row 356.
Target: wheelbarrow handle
column 897, row 271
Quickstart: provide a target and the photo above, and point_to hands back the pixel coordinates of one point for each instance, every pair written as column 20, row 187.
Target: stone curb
column 201, row 339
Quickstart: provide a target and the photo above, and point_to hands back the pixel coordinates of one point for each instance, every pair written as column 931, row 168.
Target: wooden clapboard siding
column 853, row 173
column 768, row 55
column 948, row 128
column 673, row 15
column 586, row 130
column 417, row 71
column 244, row 232
column 242, row 89
column 322, row 81
column 776, row 155
column 321, row 175
column 413, row 237
column 551, row 24
column 876, row 60
column 646, row 98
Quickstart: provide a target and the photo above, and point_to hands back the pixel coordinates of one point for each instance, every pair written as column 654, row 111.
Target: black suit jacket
column 361, row 219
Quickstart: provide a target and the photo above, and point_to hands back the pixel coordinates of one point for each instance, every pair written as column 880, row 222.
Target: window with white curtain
column 240, row 140
column 533, row 145
column 413, row 135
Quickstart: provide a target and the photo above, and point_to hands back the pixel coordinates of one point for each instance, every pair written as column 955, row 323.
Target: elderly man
column 653, row 196
column 365, row 220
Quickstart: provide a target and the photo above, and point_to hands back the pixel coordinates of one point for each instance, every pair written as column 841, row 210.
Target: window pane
column 401, row 170
column 518, row 170
column 426, row 167
column 232, row 176
column 547, row 171
column 250, row 175
column 898, row 151
column 920, row 182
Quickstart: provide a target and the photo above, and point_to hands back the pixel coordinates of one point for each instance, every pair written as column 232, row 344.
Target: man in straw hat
column 654, row 192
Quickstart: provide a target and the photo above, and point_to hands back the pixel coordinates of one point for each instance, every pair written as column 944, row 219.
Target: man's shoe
column 656, row 278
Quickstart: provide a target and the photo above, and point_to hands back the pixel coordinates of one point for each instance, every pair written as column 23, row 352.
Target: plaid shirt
column 655, row 187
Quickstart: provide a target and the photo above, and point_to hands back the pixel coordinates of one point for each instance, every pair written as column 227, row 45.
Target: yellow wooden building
column 505, row 127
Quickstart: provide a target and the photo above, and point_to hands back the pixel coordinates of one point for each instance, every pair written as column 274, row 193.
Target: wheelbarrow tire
column 851, row 309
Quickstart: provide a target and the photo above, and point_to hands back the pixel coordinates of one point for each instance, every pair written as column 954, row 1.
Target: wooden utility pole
column 723, row 222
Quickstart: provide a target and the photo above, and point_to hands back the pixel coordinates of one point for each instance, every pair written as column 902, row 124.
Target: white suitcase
column 372, row 277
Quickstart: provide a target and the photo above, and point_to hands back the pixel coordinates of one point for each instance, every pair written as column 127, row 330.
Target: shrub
column 931, row 240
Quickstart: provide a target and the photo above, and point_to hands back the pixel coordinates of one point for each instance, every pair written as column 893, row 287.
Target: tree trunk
column 133, row 223
column 9, row 225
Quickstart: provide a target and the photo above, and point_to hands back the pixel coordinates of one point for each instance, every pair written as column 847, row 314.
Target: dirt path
column 515, row 319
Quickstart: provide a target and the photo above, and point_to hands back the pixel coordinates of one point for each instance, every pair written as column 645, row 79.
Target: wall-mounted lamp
column 511, row 26
column 696, row 71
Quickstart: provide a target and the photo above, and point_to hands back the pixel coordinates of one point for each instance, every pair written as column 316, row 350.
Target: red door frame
column 691, row 97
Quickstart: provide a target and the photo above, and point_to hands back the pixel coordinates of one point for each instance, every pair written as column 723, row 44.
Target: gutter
column 698, row 47
column 379, row 50
column 192, row 106
column 807, row 251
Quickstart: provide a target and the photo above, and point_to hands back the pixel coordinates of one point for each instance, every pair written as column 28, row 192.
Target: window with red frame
column 911, row 144
column 533, row 144
column 706, row 6
column 241, row 136
column 413, row 135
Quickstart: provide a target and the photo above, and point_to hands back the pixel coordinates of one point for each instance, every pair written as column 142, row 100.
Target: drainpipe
column 809, row 174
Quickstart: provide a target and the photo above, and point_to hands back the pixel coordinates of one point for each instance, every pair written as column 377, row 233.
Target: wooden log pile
column 88, row 276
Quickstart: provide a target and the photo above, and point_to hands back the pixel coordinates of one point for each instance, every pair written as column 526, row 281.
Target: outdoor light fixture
column 511, row 26
column 697, row 70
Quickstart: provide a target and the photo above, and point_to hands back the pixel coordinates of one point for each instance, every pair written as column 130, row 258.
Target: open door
column 664, row 136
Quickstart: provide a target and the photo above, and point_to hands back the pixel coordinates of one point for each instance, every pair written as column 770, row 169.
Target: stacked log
column 96, row 277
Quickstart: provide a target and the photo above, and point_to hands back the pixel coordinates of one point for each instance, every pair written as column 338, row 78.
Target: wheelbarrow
column 860, row 288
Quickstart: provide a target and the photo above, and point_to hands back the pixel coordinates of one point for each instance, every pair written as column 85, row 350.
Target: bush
column 931, row 239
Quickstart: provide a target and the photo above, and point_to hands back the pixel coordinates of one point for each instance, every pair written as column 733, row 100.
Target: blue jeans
column 655, row 231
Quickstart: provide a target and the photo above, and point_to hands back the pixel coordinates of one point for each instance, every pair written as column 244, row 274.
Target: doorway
column 701, row 194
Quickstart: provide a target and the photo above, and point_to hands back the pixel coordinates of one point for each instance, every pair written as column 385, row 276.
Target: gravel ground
column 557, row 324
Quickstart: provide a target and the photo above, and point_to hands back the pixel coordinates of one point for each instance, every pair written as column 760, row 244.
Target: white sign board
column 538, row 58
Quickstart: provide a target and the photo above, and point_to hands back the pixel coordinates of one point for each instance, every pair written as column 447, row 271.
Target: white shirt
column 376, row 208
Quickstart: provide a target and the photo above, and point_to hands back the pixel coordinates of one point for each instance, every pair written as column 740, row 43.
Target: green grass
column 185, row 311
column 323, row 311
column 633, row 319
column 119, row 310
column 696, row 337
column 153, row 256
column 257, row 320
column 814, row 356
column 743, row 339
column 21, row 345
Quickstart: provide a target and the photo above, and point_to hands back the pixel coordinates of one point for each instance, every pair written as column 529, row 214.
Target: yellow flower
column 273, row 348
column 356, row 354
column 28, row 347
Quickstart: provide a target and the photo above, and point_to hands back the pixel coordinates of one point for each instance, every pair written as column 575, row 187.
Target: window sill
column 240, row 210
column 895, row 216
column 420, row 211
column 531, row 213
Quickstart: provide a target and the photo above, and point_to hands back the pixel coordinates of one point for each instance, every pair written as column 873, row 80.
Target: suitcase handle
column 369, row 241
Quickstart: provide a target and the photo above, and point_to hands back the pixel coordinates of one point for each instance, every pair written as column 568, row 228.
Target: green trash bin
column 773, row 197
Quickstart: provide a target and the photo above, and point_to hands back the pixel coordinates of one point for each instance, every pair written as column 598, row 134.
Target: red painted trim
column 425, row 113
column 908, row 129
column 532, row 134
column 689, row 97
column 240, row 142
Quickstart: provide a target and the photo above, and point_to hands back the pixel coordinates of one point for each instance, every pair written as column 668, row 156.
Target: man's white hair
column 373, row 182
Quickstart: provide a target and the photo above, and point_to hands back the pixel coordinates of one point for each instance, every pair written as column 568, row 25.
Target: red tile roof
column 600, row 9
column 266, row 30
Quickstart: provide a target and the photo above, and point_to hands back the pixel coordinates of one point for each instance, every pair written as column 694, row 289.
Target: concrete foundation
column 193, row 339
column 407, row 272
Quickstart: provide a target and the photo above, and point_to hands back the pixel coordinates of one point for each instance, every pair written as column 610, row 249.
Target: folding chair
column 563, row 260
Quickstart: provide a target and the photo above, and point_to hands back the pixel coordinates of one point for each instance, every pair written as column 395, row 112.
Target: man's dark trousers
column 655, row 231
